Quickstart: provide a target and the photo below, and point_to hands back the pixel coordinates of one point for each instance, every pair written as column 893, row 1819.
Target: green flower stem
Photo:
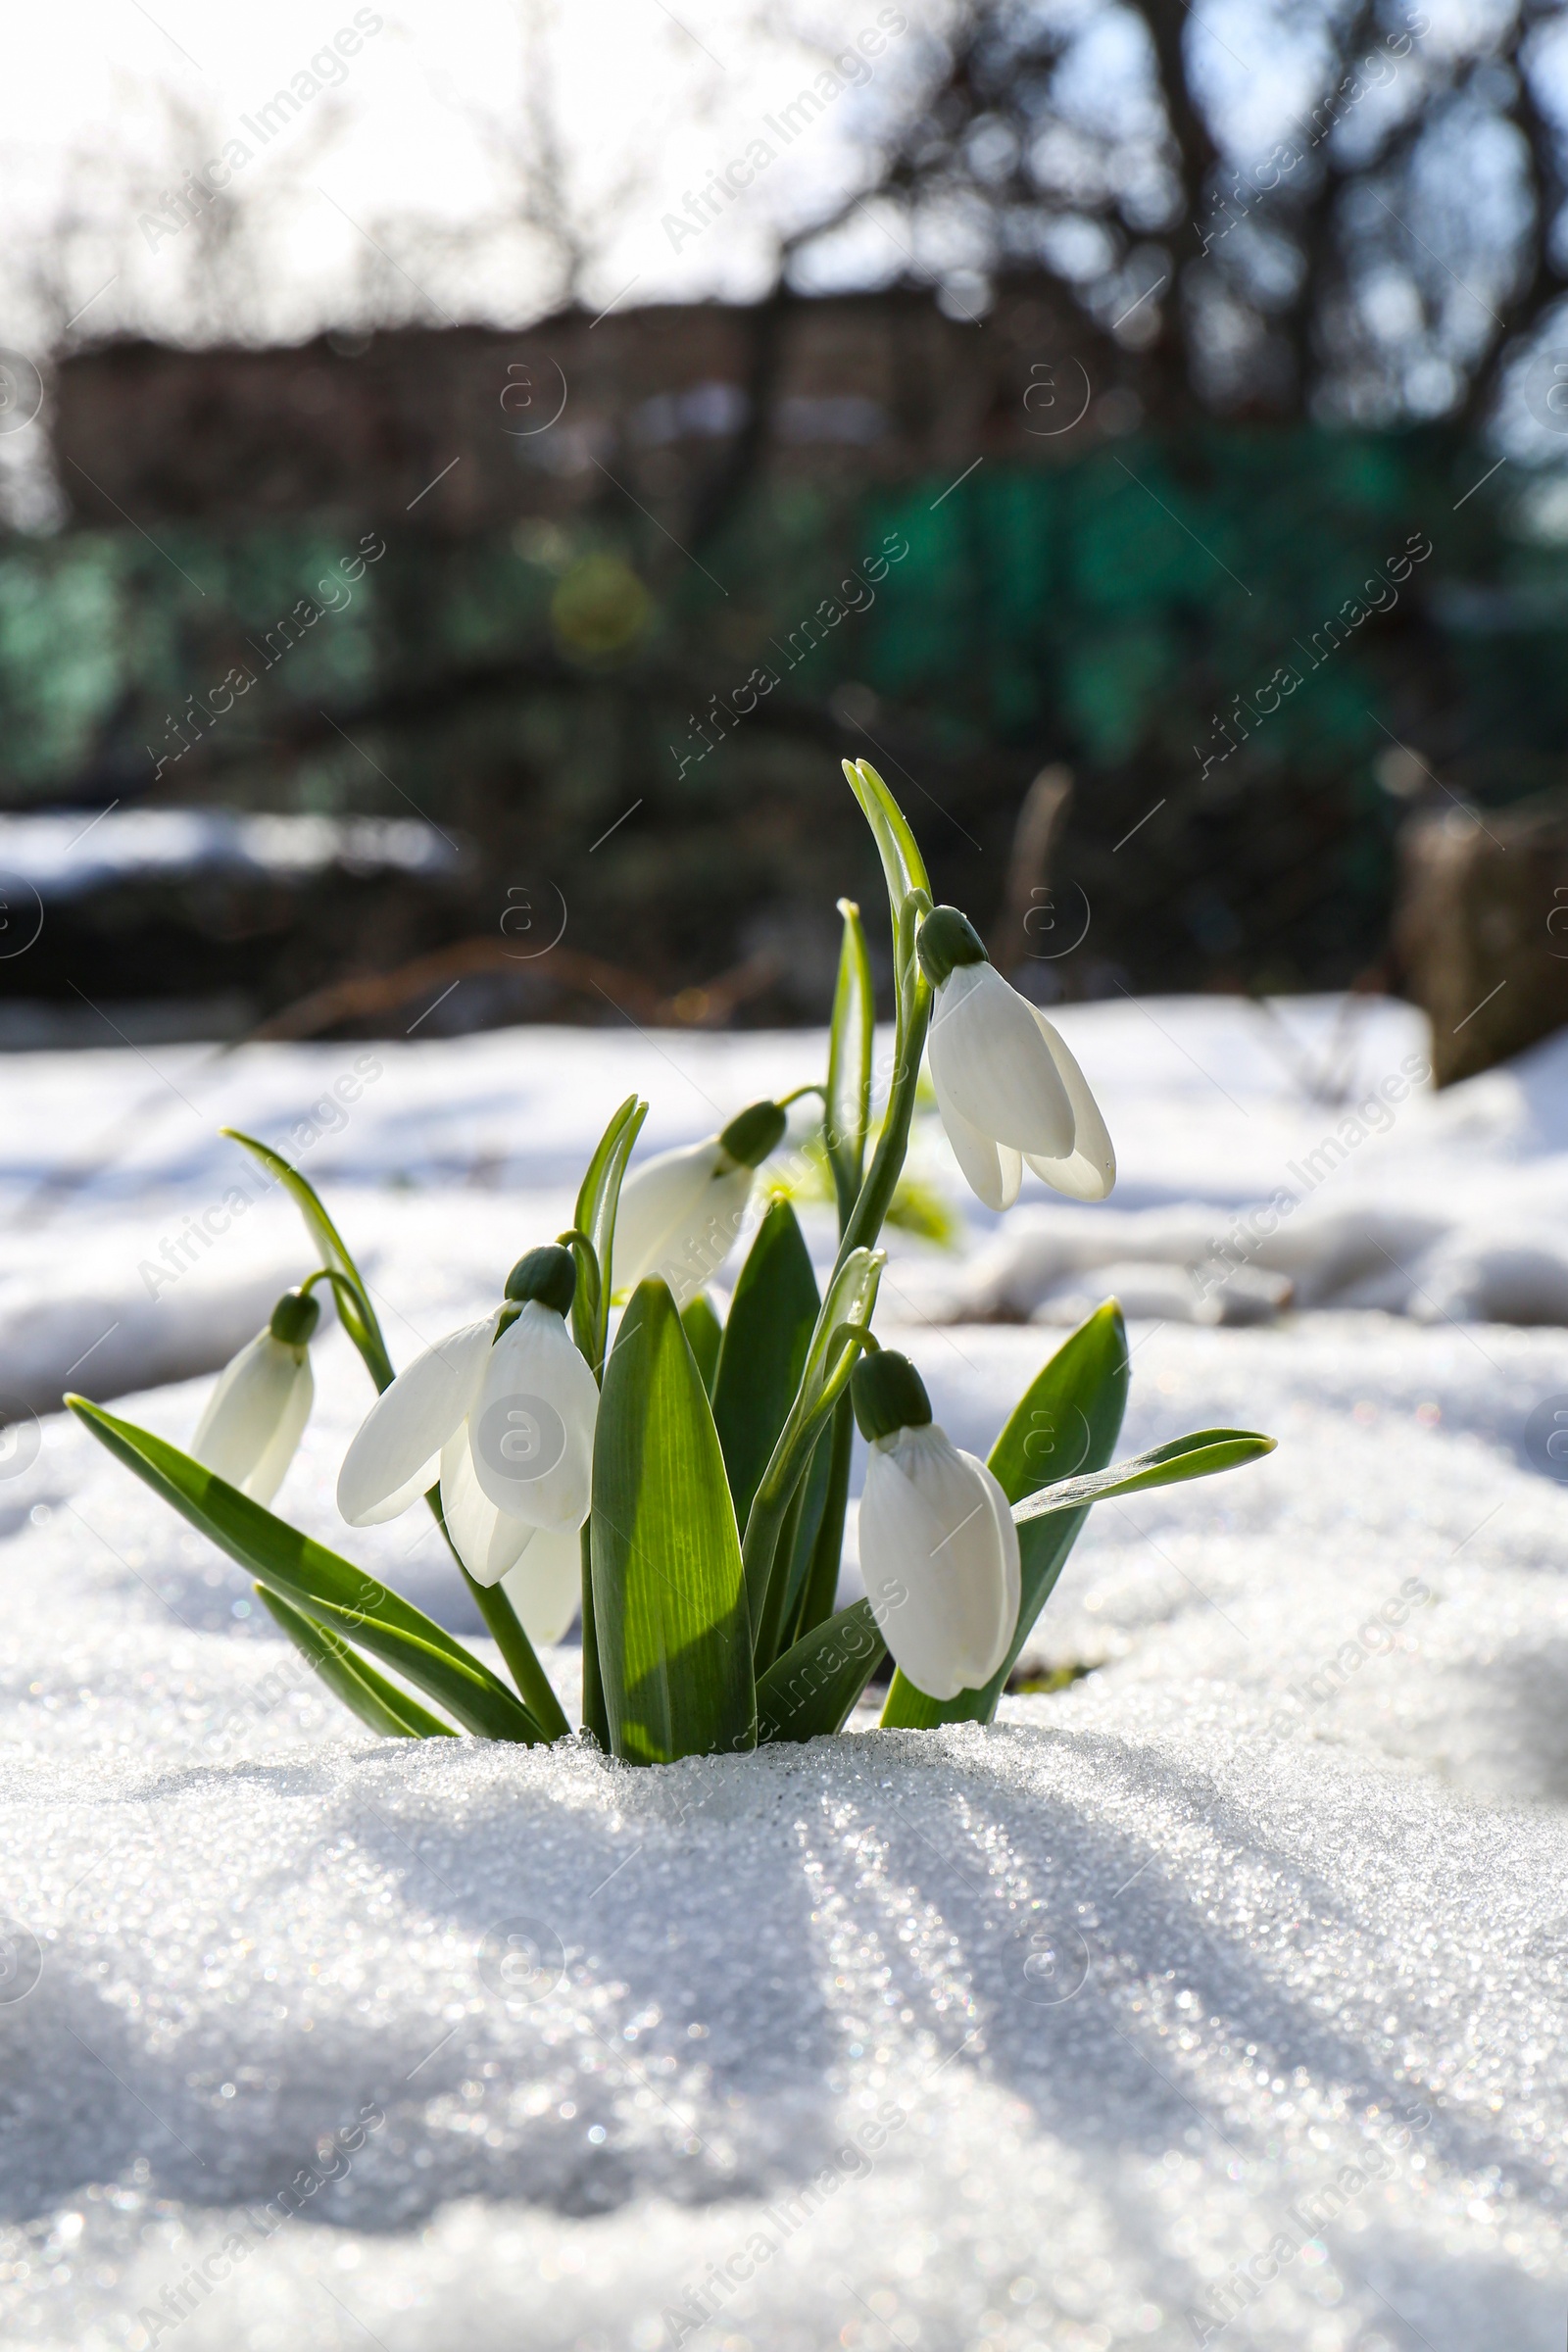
column 595, row 1714
column 887, row 1161
column 819, row 1593
column 523, row 1664
column 765, row 1571
column 533, row 1684
column 769, row 1633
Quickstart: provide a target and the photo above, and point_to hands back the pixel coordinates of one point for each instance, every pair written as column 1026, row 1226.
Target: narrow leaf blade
column 705, row 1336
column 813, row 1689
column 315, row 1581
column 901, row 862
column 357, row 1315
column 847, row 1112
column 377, row 1703
column 766, row 1339
column 668, row 1591
column 598, row 1200
column 1070, row 1417
column 1201, row 1455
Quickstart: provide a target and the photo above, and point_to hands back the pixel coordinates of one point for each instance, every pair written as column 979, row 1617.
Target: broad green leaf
column 772, row 1318
column 597, row 1205
column 812, row 1688
column 355, row 1311
column 668, row 1591
column 318, row 1582
column 1199, row 1455
column 705, row 1336
column 847, row 1112
column 1068, row 1419
column 365, row 1692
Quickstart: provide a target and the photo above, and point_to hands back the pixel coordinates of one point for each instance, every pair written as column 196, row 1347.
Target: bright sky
column 102, row 110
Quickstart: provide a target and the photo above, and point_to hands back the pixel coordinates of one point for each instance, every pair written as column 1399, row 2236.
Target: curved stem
column 343, row 1283
column 534, row 1687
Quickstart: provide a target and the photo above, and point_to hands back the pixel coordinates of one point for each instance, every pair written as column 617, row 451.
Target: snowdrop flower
column 939, row 1552
column 1007, row 1088
column 502, row 1413
column 256, row 1413
column 680, row 1212
column 545, row 1587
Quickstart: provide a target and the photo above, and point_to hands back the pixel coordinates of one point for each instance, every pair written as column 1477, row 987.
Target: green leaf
column 814, row 1687
column 847, row 1112
column 772, row 1318
column 318, row 1582
column 705, row 1336
column 365, row 1692
column 598, row 1203
column 844, row 1319
column 668, row 1591
column 595, row 1217
column 1070, row 1416
column 901, row 862
column 818, row 1583
column 1201, row 1455
column 355, row 1311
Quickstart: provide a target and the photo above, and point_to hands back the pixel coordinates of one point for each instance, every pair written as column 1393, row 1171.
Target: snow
column 1247, row 1950
column 59, row 853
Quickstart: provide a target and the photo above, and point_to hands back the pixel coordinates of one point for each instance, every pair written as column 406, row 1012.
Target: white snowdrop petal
column 657, row 1202
column 531, row 1426
column 934, row 1561
column 693, row 1258
column 1004, row 1535
column 990, row 1061
column 487, row 1542
column 268, row 1476
column 1089, row 1171
column 255, row 1397
column 545, row 1585
column 992, row 1172
column 395, row 1452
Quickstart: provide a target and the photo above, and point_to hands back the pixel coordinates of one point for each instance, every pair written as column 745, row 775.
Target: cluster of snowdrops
column 683, row 1482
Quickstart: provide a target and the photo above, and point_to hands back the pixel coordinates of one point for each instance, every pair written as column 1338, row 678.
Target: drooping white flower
column 503, row 1413
column 939, row 1551
column 545, row 1586
column 681, row 1211
column 257, row 1413
column 1009, row 1092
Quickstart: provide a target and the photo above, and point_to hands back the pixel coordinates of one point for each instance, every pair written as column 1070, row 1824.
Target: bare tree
column 1382, row 250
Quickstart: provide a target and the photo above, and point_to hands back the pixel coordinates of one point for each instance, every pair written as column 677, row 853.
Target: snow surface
column 64, row 852
column 1249, row 1949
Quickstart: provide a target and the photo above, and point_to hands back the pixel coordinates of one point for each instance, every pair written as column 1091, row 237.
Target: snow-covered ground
column 1230, row 1981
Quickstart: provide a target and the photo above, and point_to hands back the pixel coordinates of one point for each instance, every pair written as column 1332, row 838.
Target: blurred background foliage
column 1311, row 261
